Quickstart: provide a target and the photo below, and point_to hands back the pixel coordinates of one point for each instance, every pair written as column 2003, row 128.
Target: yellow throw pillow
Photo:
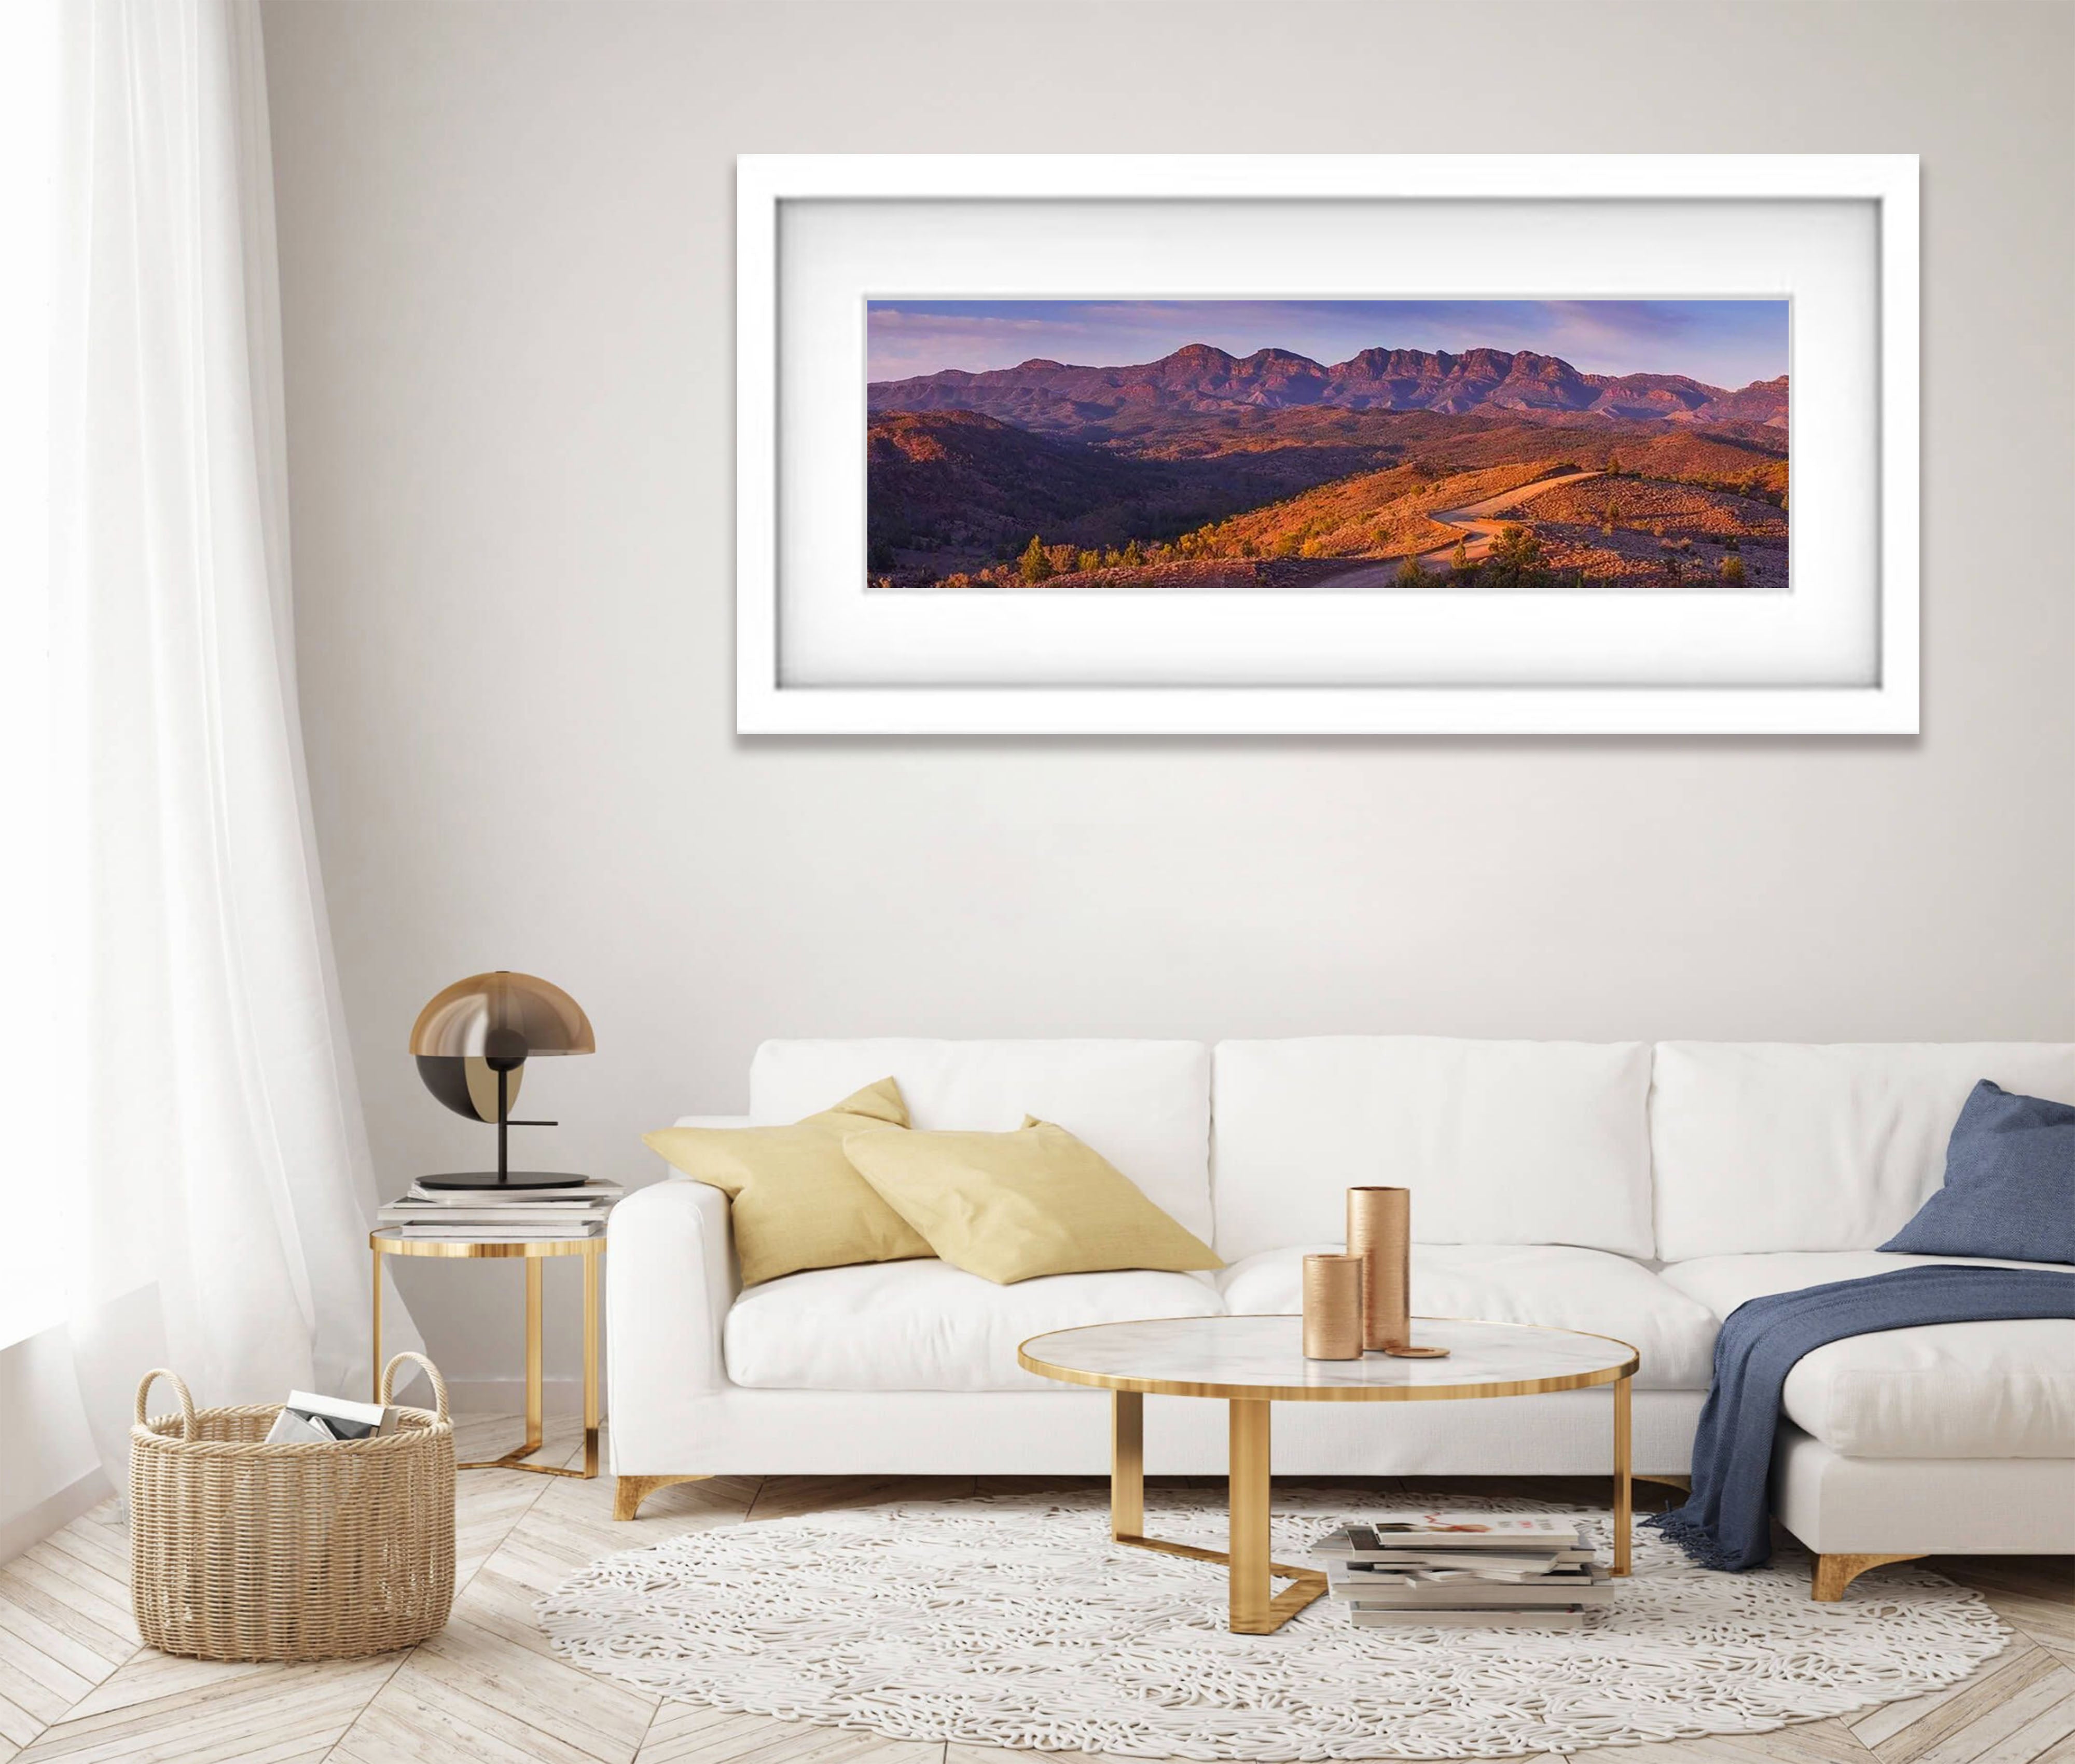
column 795, row 1200
column 1010, row 1207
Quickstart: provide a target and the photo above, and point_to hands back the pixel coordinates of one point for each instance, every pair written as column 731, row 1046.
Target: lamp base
column 489, row 1180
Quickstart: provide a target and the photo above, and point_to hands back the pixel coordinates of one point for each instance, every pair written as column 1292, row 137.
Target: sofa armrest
column 672, row 1279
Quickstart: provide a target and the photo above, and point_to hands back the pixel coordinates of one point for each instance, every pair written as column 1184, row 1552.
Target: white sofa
column 1632, row 1191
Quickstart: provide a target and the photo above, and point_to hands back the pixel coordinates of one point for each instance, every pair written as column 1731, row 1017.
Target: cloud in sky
column 1723, row 342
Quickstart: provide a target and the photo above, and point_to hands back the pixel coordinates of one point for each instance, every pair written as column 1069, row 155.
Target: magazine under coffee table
column 1253, row 1362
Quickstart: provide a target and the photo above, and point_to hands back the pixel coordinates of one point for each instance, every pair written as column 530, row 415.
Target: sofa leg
column 1834, row 1573
column 630, row 1492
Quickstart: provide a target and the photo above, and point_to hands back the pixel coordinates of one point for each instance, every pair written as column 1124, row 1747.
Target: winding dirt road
column 1476, row 523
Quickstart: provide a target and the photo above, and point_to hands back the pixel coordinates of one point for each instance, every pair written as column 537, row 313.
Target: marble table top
column 1263, row 1357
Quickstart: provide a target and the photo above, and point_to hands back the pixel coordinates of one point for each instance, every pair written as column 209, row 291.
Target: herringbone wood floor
column 75, row 1685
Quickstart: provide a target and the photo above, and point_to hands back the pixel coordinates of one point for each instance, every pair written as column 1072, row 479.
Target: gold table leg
column 374, row 1368
column 1246, row 1502
column 1127, row 1466
column 536, row 1374
column 1624, row 1485
column 1248, row 1570
column 591, row 1366
column 535, row 1359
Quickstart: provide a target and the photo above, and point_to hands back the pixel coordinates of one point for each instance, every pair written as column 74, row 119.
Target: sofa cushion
column 1512, row 1142
column 1020, row 1205
column 2009, row 1182
column 1674, row 1336
column 1146, row 1106
column 795, row 1200
column 2002, row 1390
column 1762, row 1147
column 928, row 1326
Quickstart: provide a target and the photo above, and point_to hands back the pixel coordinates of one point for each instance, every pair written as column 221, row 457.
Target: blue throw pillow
column 2010, row 1183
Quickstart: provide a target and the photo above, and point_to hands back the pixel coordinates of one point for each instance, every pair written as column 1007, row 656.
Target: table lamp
column 472, row 1043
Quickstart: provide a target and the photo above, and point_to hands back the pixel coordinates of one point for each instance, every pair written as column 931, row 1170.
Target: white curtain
column 215, row 1146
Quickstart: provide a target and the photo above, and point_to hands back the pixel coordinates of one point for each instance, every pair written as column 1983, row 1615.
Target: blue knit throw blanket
column 1726, row 1520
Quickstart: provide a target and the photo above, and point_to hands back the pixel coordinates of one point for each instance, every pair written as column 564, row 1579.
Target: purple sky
column 1728, row 343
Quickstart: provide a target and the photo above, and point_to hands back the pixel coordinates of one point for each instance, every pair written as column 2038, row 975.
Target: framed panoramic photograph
column 1478, row 444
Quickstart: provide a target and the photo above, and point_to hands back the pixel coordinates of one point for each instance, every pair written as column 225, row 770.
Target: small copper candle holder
column 1332, row 1308
column 1380, row 1232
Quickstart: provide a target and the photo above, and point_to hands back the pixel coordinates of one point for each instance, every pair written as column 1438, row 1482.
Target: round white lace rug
column 1015, row 1621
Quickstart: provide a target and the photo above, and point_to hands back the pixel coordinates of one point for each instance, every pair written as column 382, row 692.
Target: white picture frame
column 1878, row 696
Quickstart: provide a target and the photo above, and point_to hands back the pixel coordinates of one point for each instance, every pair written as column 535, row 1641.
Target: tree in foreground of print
column 1515, row 560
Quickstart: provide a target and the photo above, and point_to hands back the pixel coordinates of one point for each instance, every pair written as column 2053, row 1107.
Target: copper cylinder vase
column 1380, row 1232
column 1332, row 1308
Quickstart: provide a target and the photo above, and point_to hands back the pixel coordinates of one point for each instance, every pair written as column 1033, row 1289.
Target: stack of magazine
column 308, row 1420
column 1524, row 1570
column 576, row 1209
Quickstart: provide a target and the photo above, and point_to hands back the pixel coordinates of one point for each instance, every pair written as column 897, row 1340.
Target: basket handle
column 180, row 1390
column 432, row 1371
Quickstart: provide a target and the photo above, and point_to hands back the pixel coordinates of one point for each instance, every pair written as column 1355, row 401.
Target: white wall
column 49, row 1473
column 506, row 258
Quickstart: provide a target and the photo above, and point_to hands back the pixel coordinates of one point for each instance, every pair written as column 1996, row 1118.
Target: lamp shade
column 503, row 1018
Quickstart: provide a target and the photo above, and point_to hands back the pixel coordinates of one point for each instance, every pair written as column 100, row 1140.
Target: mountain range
column 1202, row 379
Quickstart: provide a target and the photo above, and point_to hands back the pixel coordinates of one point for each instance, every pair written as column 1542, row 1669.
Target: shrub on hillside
column 1515, row 560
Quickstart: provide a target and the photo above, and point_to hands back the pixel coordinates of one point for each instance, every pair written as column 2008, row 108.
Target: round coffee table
column 1253, row 1362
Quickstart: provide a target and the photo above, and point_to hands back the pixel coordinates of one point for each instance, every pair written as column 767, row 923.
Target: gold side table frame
column 1255, row 1607
column 392, row 1242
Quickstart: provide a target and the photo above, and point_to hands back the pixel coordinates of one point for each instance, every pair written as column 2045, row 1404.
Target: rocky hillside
column 969, row 485
column 952, row 490
column 1055, row 397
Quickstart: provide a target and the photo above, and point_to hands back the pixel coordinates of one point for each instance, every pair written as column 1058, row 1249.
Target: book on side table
column 530, row 1215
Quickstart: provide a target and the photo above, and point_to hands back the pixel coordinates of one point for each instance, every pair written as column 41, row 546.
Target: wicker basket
column 244, row 1551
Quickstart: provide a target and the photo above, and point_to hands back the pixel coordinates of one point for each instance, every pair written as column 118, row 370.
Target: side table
column 535, row 1251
